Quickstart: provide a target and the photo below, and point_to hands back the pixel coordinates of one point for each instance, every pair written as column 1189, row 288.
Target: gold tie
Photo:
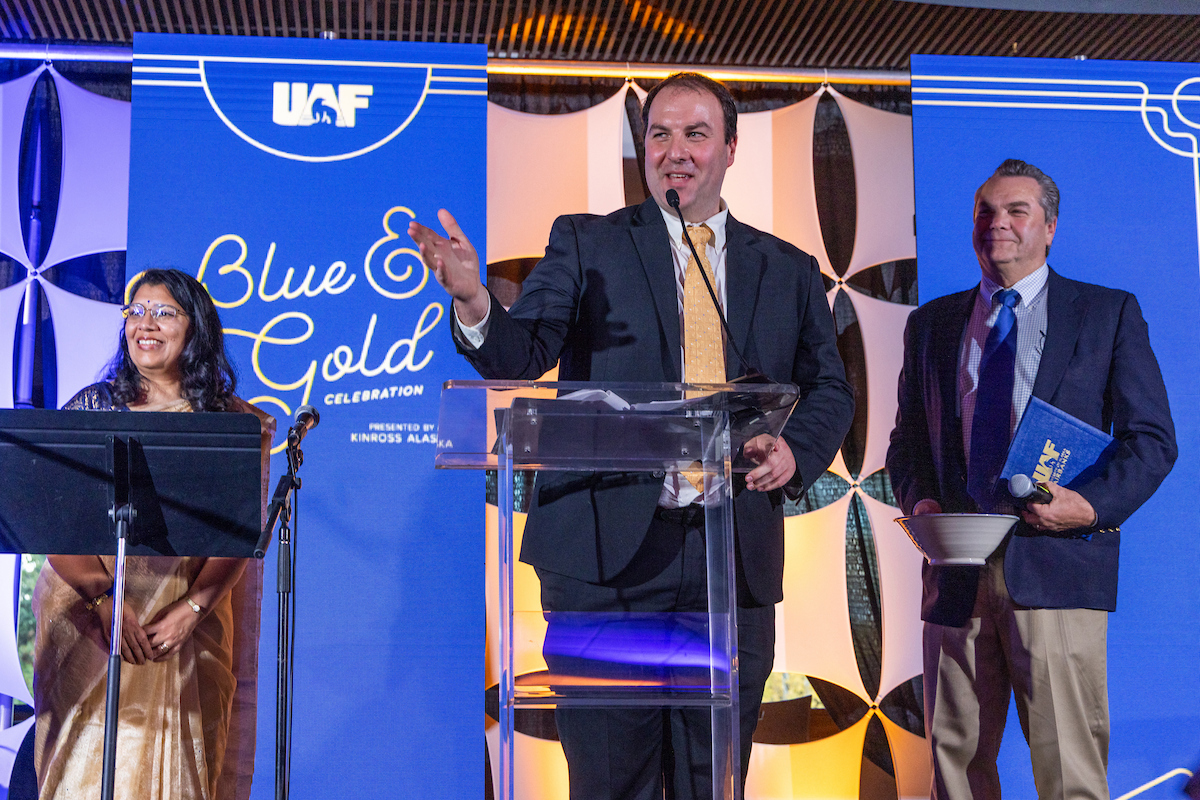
column 703, row 348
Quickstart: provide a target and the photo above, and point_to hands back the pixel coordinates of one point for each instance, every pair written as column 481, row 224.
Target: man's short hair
column 696, row 83
column 1016, row 168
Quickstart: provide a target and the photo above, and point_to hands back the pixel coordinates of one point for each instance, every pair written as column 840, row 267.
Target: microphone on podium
column 750, row 375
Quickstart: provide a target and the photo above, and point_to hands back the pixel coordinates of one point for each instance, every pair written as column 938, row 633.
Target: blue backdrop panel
column 1119, row 138
column 283, row 173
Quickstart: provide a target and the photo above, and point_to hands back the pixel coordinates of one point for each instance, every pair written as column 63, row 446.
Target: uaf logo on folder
column 1052, row 445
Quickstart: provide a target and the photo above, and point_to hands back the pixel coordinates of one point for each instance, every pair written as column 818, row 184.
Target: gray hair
column 1016, row 168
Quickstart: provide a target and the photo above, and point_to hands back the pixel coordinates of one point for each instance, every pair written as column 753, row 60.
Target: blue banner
column 283, row 174
column 1120, row 140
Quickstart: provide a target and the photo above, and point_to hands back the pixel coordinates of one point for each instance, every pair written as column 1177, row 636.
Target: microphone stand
column 123, row 514
column 284, row 508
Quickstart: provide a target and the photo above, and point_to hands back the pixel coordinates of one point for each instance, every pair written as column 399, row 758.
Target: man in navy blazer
column 1033, row 621
column 606, row 304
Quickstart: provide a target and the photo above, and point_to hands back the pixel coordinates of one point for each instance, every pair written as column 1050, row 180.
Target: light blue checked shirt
column 1031, row 337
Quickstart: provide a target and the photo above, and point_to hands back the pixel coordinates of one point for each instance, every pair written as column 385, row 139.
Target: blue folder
column 1050, row 445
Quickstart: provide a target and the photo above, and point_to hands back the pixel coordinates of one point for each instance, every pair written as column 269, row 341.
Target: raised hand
column 455, row 264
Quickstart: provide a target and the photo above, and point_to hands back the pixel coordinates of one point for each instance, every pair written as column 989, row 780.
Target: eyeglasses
column 160, row 313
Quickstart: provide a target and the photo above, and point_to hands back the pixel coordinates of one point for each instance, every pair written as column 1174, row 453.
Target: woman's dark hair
column 208, row 377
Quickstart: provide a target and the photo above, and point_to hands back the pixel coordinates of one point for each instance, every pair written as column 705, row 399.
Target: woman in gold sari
column 190, row 625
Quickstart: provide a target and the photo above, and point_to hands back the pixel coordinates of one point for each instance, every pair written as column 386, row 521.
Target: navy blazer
column 603, row 304
column 1096, row 365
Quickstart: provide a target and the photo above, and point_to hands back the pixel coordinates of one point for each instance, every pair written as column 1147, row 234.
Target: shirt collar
column 1028, row 287
column 716, row 222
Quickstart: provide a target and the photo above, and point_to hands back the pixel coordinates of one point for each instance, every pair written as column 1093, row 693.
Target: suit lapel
column 1063, row 319
column 649, row 233
column 947, row 343
column 743, row 273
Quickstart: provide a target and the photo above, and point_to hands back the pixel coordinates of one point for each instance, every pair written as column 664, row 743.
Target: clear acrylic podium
column 617, row 659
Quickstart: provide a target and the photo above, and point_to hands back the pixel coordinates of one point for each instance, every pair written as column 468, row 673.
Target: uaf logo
column 322, row 111
column 295, row 106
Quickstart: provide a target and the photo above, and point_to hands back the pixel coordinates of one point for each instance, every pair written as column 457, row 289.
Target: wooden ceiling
column 834, row 34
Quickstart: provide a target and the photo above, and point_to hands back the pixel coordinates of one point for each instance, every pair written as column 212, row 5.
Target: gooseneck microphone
column 307, row 418
column 1022, row 488
column 751, row 374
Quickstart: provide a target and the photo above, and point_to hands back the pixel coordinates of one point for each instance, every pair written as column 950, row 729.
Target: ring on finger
column 164, row 647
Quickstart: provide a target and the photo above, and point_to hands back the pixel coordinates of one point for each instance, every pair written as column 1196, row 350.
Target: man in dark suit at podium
column 618, row 299
column 1033, row 621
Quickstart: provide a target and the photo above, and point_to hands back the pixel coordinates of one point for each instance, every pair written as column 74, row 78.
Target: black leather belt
column 691, row 516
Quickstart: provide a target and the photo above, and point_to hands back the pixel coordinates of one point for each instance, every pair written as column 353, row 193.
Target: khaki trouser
column 1053, row 661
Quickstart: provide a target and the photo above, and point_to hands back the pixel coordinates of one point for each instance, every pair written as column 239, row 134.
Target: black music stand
column 116, row 483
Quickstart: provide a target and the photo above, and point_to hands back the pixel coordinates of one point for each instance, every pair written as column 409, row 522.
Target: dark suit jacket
column 1096, row 365
column 603, row 303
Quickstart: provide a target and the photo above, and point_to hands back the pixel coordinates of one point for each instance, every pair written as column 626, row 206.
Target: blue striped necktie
column 992, row 423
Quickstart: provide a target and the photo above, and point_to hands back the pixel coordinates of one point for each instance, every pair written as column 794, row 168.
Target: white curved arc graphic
column 1143, row 96
column 1151, row 784
column 1175, row 102
column 1049, row 93
column 317, row 62
column 1167, row 130
column 1001, row 79
column 1143, row 108
column 312, row 159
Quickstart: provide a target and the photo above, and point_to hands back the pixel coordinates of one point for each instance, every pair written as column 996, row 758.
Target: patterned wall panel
column 796, row 218
column 829, row 769
column 539, row 159
column 900, row 589
column 64, row 176
column 12, row 682
column 813, row 635
column 14, row 100
column 849, row 624
column 94, row 198
column 79, row 212
column 10, row 307
column 882, row 327
column 749, row 183
column 883, row 179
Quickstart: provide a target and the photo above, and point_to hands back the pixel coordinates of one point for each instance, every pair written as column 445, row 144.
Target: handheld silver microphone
column 1022, row 488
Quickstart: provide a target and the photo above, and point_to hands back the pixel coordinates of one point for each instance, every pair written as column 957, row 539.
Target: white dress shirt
column 676, row 492
column 1031, row 337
